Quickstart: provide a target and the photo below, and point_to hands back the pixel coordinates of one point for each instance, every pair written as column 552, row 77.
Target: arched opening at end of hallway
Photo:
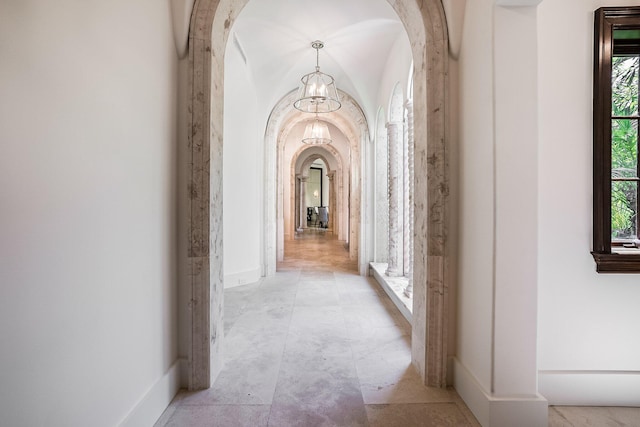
column 284, row 152
column 319, row 206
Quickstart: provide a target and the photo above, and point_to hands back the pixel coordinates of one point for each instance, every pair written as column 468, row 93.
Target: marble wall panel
column 427, row 33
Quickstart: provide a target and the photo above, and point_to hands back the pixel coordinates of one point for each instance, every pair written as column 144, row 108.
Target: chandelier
column 317, row 93
column 316, row 132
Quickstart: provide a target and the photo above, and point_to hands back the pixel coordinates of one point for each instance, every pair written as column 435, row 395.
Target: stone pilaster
column 303, row 202
column 395, row 238
column 332, row 200
column 408, row 197
column 381, row 194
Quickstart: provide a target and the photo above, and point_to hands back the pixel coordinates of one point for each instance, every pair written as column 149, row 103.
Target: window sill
column 624, row 261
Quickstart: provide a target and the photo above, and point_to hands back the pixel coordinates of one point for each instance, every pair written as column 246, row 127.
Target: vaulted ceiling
column 275, row 37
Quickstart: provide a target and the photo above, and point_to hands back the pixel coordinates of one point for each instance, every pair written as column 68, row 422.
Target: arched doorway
column 301, row 164
column 351, row 122
column 426, row 27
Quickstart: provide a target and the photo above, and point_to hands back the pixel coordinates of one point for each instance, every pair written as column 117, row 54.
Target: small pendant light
column 316, row 133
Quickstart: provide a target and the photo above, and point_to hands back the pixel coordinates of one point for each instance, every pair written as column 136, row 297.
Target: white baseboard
column 155, row 401
column 242, row 278
column 503, row 411
column 590, row 388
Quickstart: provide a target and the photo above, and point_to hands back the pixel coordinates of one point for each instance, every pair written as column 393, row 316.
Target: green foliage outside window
column 624, row 146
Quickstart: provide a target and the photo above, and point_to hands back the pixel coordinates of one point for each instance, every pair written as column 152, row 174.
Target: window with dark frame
column 616, row 174
column 624, row 138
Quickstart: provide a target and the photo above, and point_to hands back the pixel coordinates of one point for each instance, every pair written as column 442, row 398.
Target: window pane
column 624, row 86
column 624, row 148
column 619, row 34
column 623, row 209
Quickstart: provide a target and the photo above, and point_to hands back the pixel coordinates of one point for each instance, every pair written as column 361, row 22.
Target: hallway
column 316, row 345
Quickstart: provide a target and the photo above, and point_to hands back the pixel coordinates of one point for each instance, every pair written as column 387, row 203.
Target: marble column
column 395, row 237
column 303, row 202
column 408, row 197
column 332, row 201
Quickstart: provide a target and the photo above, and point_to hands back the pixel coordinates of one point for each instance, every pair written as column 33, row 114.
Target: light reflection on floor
column 316, row 345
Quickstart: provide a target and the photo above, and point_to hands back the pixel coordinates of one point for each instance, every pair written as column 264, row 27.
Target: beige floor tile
column 349, row 413
column 416, row 415
column 577, row 416
column 220, row 416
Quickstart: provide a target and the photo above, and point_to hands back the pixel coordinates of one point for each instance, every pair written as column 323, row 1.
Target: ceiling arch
column 275, row 36
column 305, row 156
column 349, row 119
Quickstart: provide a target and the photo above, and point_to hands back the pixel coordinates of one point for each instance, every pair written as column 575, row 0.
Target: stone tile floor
column 318, row 345
column 578, row 416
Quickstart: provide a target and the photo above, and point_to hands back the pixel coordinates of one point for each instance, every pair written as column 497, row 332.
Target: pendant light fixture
column 316, row 133
column 317, row 93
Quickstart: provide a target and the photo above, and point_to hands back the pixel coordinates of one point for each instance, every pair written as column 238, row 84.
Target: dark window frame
column 606, row 20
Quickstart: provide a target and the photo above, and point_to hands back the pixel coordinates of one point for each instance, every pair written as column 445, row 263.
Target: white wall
column 589, row 323
column 495, row 367
column 476, row 228
column 243, row 169
column 87, row 212
column 525, row 211
column 396, row 71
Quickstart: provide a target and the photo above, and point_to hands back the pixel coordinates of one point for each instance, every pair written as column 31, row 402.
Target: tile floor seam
column 353, row 358
column 284, row 347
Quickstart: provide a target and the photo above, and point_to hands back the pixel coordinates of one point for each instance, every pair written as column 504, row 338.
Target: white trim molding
column 151, row 406
column 498, row 411
column 240, row 278
column 590, row 388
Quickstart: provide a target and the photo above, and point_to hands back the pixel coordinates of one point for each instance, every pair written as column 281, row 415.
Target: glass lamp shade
column 316, row 132
column 317, row 93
